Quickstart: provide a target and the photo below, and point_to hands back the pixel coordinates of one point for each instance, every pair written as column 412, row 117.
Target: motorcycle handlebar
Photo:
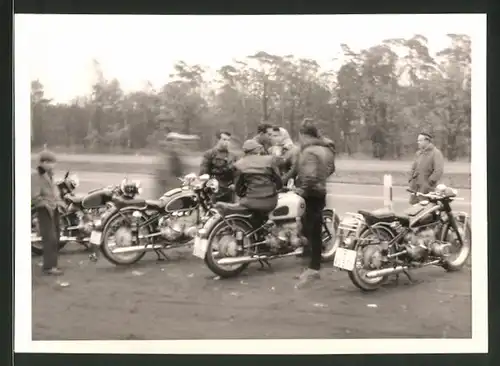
column 432, row 196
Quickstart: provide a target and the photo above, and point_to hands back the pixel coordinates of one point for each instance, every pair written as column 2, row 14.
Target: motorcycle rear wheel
column 119, row 259
column 356, row 276
column 332, row 221
column 224, row 271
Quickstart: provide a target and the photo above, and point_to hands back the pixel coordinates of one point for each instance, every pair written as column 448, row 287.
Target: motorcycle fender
column 205, row 231
column 117, row 211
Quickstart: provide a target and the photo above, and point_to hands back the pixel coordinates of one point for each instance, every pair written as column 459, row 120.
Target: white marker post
column 388, row 191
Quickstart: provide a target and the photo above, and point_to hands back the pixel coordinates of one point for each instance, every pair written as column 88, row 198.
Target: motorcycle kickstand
column 161, row 256
column 263, row 268
column 408, row 275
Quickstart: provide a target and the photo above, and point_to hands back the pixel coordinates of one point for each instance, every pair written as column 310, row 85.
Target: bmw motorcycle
column 138, row 226
column 380, row 243
column 80, row 214
column 228, row 242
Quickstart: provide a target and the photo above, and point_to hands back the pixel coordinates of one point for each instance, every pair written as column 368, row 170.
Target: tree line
column 374, row 104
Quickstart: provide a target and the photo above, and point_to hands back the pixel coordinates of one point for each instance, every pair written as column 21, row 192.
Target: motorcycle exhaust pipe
column 38, row 239
column 247, row 259
column 136, row 249
column 398, row 269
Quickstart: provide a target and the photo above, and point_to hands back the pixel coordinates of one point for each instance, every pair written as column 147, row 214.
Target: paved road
column 181, row 299
column 342, row 164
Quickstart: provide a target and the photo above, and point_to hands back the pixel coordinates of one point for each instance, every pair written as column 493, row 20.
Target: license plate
column 95, row 237
column 200, row 247
column 345, row 259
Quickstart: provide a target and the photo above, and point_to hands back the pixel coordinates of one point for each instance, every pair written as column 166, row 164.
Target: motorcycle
column 380, row 243
column 229, row 242
column 139, row 226
column 80, row 214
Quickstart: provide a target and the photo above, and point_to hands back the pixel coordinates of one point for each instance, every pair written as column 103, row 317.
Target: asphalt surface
column 181, row 298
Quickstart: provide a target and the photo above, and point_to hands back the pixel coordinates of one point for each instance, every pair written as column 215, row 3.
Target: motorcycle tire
column 330, row 220
column 465, row 251
column 241, row 224
column 105, row 250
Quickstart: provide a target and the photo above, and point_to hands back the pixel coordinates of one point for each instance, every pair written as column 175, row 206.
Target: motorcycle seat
column 156, row 204
column 123, row 202
column 74, row 199
column 383, row 215
column 231, row 208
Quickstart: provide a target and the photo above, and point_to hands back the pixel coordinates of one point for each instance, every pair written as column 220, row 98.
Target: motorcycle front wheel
column 460, row 252
column 221, row 240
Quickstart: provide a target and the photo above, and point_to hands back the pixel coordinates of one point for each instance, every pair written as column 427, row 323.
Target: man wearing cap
column 257, row 181
column 218, row 162
column 45, row 198
column 428, row 167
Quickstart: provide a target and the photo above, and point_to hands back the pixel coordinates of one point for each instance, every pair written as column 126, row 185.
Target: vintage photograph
column 271, row 178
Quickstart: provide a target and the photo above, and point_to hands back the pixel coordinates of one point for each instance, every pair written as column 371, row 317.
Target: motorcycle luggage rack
column 351, row 222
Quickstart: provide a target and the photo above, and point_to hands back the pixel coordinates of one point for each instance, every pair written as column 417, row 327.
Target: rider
column 257, row 181
column 218, row 162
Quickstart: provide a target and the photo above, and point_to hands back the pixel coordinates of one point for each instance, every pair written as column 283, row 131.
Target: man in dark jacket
column 263, row 137
column 427, row 169
column 316, row 162
column 257, row 181
column 45, row 198
column 218, row 162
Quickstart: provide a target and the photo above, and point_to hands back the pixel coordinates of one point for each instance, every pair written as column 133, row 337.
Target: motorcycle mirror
column 66, row 175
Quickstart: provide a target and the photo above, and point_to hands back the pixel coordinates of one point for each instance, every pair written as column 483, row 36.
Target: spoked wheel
column 36, row 238
column 222, row 244
column 460, row 253
column 329, row 235
column 118, row 234
column 366, row 257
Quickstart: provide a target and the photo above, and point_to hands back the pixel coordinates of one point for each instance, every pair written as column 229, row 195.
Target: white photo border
column 23, row 313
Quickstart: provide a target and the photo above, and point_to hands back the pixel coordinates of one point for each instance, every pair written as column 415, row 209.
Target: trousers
column 312, row 225
column 48, row 221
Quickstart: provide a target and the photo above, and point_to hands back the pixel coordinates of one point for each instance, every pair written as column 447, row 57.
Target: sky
column 59, row 49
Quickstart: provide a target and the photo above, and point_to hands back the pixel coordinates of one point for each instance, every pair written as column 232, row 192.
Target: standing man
column 45, row 198
column 218, row 162
column 316, row 162
column 264, row 136
column 428, row 167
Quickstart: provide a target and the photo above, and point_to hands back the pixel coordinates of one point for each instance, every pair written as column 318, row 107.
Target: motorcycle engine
column 174, row 228
column 286, row 235
column 85, row 223
column 422, row 243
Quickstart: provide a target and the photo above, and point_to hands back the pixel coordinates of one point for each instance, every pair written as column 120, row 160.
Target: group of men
column 270, row 160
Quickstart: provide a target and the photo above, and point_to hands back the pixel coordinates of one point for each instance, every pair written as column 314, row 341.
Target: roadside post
column 388, row 191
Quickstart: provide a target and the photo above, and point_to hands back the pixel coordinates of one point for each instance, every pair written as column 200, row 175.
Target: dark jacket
column 264, row 140
column 219, row 164
column 427, row 169
column 44, row 192
column 315, row 163
column 257, row 179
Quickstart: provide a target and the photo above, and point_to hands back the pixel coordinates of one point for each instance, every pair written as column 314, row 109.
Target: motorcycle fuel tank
column 96, row 198
column 181, row 201
column 290, row 205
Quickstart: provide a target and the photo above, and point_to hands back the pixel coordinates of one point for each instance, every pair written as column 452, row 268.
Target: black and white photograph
column 238, row 184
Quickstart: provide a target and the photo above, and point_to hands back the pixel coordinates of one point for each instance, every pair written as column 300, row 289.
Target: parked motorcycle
column 379, row 243
column 138, row 226
column 81, row 212
column 229, row 242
